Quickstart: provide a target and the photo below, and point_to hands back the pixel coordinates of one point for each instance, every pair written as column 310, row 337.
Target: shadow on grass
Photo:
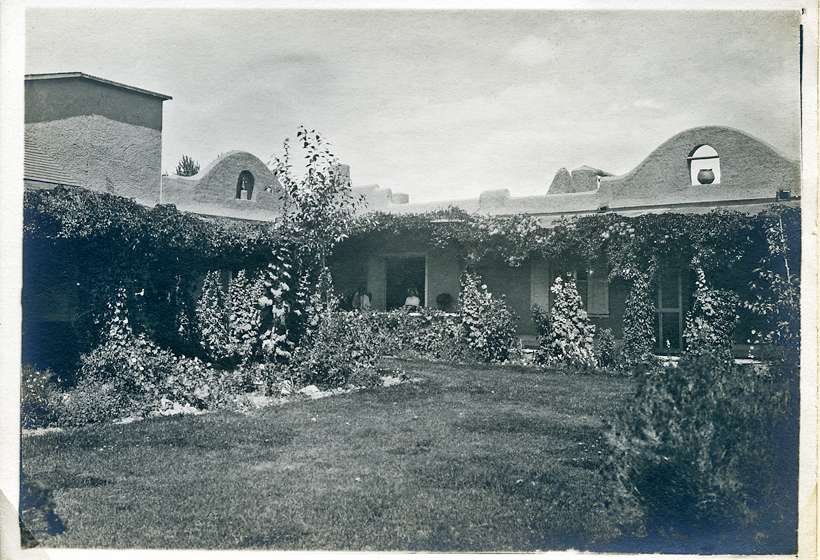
column 38, row 518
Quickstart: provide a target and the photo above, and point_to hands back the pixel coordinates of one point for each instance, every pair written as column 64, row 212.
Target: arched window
column 244, row 186
column 704, row 166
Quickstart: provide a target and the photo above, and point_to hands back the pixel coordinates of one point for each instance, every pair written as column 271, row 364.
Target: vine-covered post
column 639, row 338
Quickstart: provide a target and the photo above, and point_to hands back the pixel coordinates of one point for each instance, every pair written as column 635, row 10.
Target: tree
column 318, row 213
column 319, row 206
column 187, row 167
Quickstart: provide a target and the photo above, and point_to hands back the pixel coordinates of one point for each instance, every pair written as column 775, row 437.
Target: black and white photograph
column 404, row 279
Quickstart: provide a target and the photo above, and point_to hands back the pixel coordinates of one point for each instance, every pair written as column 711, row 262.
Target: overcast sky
column 441, row 104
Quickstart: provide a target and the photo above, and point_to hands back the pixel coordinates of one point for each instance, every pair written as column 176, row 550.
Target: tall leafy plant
column 776, row 289
column 570, row 334
column 229, row 318
column 487, row 324
column 639, row 325
column 212, row 320
column 710, row 324
column 318, row 211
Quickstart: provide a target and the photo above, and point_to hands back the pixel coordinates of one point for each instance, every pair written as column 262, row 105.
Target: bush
column 569, row 335
column 541, row 320
column 710, row 324
column 696, row 449
column 428, row 334
column 229, row 319
column 135, row 377
column 40, row 398
column 487, row 325
column 92, row 401
column 338, row 352
column 603, row 348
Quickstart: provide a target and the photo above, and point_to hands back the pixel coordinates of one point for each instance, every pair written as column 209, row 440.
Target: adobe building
column 91, row 132
column 235, row 185
column 695, row 171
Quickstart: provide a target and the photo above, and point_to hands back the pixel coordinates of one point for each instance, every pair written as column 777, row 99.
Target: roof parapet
column 82, row 75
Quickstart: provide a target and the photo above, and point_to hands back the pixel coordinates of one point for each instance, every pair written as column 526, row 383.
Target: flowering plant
column 487, row 324
column 570, row 334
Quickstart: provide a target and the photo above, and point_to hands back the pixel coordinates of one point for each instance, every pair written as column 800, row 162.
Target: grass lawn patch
column 469, row 458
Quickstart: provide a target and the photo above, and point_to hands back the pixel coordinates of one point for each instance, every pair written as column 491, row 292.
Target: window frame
column 660, row 309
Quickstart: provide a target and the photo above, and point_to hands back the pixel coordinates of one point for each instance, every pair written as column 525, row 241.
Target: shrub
column 92, row 401
column 710, row 324
column 639, row 327
column 40, row 398
column 273, row 379
column 569, row 337
column 487, row 324
column 138, row 378
column 338, row 352
column 212, row 320
column 129, row 374
column 695, row 449
column 603, row 347
column 776, row 288
column 428, row 334
column 540, row 319
column 244, row 315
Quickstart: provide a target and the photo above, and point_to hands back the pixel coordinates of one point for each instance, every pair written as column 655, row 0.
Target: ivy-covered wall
column 731, row 247
column 80, row 246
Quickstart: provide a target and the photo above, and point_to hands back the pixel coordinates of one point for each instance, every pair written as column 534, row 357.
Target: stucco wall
column 103, row 154
column 752, row 172
column 749, row 169
column 514, row 284
column 58, row 99
column 213, row 189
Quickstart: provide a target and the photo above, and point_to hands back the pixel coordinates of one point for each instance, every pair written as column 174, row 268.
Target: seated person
column 412, row 303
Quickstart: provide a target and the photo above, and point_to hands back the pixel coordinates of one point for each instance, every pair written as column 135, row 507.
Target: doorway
column 402, row 275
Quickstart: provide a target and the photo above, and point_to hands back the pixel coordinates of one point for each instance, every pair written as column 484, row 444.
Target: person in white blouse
column 412, row 303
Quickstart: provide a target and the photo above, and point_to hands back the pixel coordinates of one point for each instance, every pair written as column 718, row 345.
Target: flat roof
column 82, row 75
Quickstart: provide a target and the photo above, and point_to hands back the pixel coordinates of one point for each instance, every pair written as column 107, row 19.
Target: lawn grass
column 469, row 458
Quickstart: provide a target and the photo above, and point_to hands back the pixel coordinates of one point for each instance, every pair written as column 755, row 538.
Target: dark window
column 592, row 284
column 244, row 186
column 669, row 310
column 404, row 275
